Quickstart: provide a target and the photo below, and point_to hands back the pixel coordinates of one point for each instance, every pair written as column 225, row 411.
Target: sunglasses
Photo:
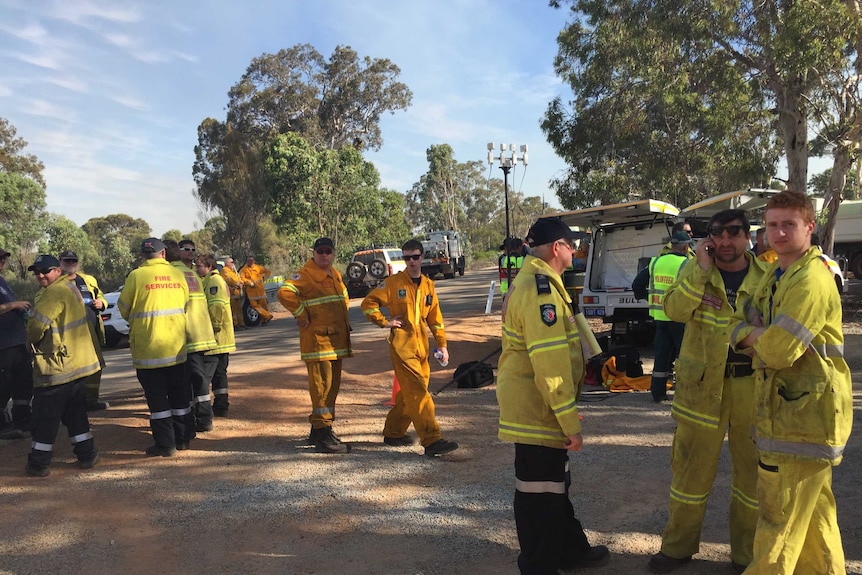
column 323, row 252
column 732, row 231
column 71, row 261
column 414, row 257
column 187, row 249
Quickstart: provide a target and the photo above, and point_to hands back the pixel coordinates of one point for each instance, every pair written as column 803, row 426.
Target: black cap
column 547, row 230
column 323, row 243
column 152, row 245
column 68, row 255
column 4, row 253
column 44, row 263
column 680, row 238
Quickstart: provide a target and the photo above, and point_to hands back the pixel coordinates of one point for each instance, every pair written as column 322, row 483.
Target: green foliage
column 117, row 240
column 332, row 103
column 64, row 234
column 22, row 219
column 13, row 160
column 818, row 185
column 659, row 108
column 331, row 193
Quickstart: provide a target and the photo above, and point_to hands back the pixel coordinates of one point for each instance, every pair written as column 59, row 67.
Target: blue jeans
column 668, row 339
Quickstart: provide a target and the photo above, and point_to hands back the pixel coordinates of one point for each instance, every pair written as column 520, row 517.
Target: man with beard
column 714, row 394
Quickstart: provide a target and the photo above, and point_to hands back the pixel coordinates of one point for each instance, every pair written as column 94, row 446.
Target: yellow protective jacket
column 153, row 301
column 199, row 329
column 416, row 306
column 59, row 332
column 803, row 393
column 218, row 305
column 253, row 278
column 516, row 263
column 233, row 281
column 698, row 300
column 93, row 286
column 319, row 296
column 541, row 369
column 663, row 271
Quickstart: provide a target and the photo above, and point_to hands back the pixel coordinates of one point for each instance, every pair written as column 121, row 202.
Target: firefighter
column 762, row 249
column 663, row 271
column 714, row 394
column 413, row 309
column 16, row 370
column 64, row 356
column 234, row 285
column 95, row 302
column 200, row 366
column 153, row 301
column 317, row 298
column 510, row 262
column 539, row 378
column 253, row 276
column 803, row 406
column 218, row 305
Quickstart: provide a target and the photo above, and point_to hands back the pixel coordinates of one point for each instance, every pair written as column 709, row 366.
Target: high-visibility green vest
column 663, row 270
column 517, row 263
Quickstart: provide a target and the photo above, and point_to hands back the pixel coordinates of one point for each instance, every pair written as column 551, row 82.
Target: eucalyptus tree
column 13, row 158
column 731, row 81
column 333, row 104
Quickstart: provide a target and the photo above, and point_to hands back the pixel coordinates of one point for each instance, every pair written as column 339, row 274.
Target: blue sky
column 109, row 95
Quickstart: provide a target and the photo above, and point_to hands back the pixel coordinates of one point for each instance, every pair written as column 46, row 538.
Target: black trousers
column 60, row 404
column 16, row 382
column 199, row 373
column 220, row 382
column 550, row 535
column 170, row 401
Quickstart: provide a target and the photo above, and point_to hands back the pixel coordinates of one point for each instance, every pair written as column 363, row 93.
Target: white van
column 624, row 238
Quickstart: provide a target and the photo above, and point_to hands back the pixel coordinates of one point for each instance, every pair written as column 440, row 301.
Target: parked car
column 369, row 267
column 115, row 326
column 250, row 316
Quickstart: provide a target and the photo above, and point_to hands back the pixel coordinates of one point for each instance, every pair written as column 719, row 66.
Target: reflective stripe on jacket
column 804, row 400
column 60, row 331
column 218, row 305
column 153, row 301
column 416, row 306
column 541, row 369
column 698, row 299
column 253, row 277
column 663, row 270
column 199, row 329
column 319, row 296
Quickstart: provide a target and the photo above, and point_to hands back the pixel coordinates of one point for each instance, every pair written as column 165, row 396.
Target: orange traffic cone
column 395, row 389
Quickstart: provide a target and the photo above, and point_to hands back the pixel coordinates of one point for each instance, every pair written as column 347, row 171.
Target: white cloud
column 72, row 83
column 131, row 102
column 40, row 107
column 81, row 12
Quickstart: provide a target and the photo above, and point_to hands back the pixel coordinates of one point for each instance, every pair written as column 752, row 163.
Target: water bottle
column 439, row 355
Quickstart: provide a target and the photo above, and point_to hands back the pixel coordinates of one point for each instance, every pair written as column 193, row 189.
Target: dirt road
column 250, row 498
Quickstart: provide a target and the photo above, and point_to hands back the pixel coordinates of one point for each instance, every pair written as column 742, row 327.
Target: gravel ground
column 250, row 497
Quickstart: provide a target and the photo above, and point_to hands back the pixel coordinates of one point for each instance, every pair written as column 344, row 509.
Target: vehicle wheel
column 249, row 314
column 856, row 266
column 112, row 338
column 461, row 271
column 355, row 271
column 378, row 269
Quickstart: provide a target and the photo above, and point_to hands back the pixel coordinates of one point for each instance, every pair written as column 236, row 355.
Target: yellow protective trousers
column 797, row 530
column 413, row 404
column 694, row 460
column 236, row 311
column 324, row 381
column 259, row 303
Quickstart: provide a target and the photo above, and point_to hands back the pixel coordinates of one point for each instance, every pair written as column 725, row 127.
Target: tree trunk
column 793, row 118
column 840, row 167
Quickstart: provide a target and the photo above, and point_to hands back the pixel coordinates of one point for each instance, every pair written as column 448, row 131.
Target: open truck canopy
column 624, row 238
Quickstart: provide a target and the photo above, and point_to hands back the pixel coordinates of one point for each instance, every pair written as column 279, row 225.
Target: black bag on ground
column 628, row 360
column 480, row 376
